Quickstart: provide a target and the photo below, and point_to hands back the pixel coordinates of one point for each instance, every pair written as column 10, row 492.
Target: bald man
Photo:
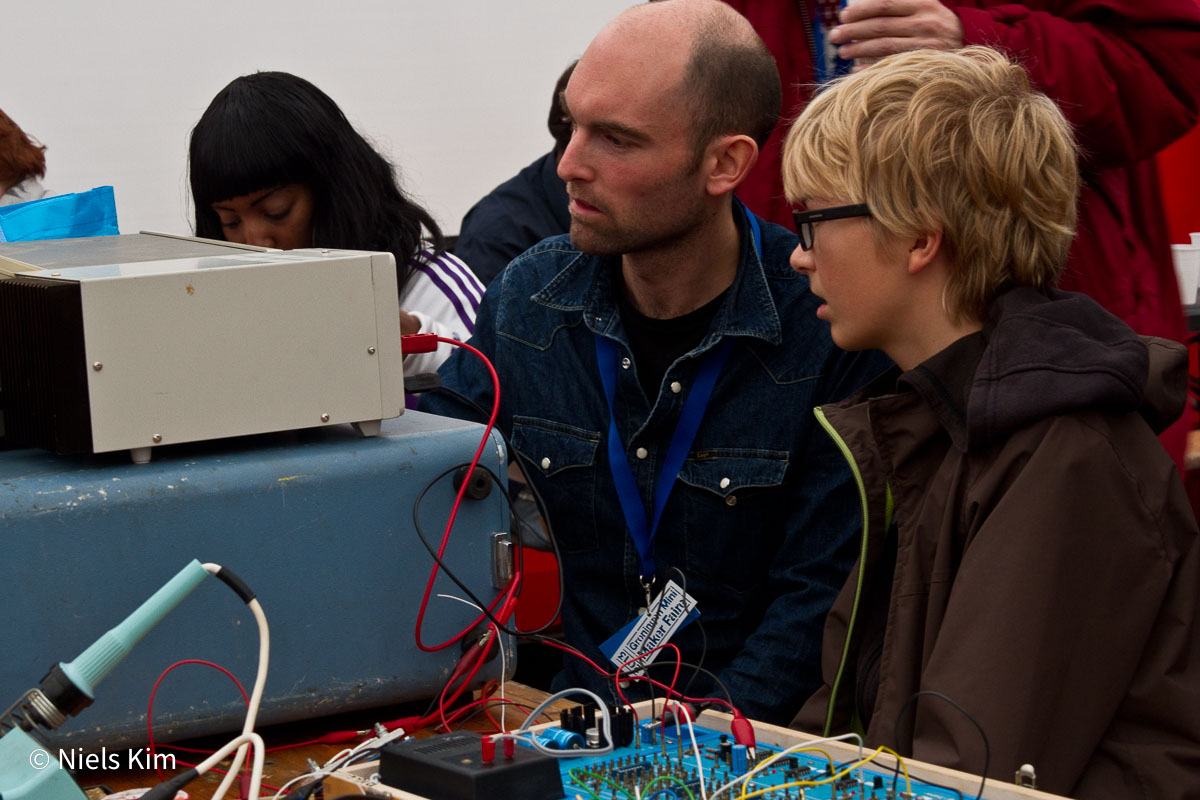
column 658, row 370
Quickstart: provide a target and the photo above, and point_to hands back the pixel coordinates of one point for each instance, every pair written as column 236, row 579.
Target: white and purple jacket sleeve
column 444, row 295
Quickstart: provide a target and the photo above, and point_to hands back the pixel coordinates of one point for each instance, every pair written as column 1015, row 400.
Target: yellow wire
column 782, row 754
column 828, row 757
column 830, row 779
column 903, row 768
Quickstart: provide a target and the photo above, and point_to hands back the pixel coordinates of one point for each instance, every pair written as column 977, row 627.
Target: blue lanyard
column 641, row 529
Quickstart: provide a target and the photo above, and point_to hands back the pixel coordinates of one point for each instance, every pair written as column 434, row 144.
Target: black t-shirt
column 656, row 343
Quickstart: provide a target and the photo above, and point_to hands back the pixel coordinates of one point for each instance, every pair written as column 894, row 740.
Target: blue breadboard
column 642, row 770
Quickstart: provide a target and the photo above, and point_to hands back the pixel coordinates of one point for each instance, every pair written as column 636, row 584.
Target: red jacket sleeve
column 1125, row 72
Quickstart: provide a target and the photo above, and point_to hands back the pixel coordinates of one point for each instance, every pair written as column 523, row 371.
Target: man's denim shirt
column 761, row 524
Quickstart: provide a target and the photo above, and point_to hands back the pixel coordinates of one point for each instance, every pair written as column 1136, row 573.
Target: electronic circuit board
column 662, row 765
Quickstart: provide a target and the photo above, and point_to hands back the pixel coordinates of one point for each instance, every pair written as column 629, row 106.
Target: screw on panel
column 324, row 418
column 96, row 365
column 371, row 350
column 156, row 438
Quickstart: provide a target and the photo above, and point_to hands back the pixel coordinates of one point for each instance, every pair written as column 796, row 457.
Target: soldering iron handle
column 94, row 664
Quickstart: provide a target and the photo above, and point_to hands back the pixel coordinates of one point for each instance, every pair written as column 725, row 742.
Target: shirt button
column 676, row 387
column 731, row 500
column 625, row 363
column 545, row 463
column 724, row 483
column 642, row 452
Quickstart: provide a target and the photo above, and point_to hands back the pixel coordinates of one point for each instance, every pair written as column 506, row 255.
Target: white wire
column 297, row 779
column 260, row 680
column 337, row 762
column 503, row 655
column 241, row 743
column 794, row 748
column 695, row 747
column 503, row 681
column 605, row 717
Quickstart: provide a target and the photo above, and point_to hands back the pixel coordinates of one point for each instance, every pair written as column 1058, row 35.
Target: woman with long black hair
column 274, row 162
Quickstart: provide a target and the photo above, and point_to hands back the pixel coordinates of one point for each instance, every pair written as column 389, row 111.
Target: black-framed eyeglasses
column 804, row 219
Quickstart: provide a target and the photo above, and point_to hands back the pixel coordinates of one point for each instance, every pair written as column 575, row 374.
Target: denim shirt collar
column 586, row 285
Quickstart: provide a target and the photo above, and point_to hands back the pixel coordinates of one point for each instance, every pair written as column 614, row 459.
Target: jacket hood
column 1059, row 352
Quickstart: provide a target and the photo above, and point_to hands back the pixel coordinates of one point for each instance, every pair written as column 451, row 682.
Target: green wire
column 862, row 560
column 595, row 776
column 647, row 789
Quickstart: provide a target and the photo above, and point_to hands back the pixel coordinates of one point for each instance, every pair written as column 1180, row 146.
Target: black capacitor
column 725, row 749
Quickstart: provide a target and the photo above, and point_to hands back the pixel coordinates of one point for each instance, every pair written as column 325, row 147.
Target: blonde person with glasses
column 1027, row 566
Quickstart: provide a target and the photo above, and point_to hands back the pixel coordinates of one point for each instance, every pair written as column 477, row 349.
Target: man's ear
column 728, row 159
column 923, row 250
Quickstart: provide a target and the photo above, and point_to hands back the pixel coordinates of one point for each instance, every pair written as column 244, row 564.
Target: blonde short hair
column 956, row 141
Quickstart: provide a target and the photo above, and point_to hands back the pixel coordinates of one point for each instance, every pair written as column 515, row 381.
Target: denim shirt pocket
column 562, row 459
column 738, row 491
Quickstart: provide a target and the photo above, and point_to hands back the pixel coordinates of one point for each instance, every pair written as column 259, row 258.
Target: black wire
column 703, row 635
column 718, row 683
column 366, row 754
column 678, row 660
column 450, row 574
column 541, row 506
column 539, row 502
column 896, row 777
column 987, row 751
column 514, row 528
column 436, row 700
column 611, row 675
column 945, row 788
column 307, row 790
column 526, row 708
column 537, row 496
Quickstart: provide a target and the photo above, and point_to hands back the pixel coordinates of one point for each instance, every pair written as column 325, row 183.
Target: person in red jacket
column 1126, row 74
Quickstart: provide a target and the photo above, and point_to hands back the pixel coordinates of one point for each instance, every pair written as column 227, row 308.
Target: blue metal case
column 319, row 523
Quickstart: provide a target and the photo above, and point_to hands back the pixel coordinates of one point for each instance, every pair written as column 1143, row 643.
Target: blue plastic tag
column 64, row 216
column 671, row 610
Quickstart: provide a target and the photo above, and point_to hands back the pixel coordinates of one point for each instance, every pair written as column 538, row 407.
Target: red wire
column 150, row 709
column 474, row 663
column 457, row 501
column 602, row 671
column 485, row 693
column 414, row 723
column 153, row 746
column 506, row 611
column 674, row 678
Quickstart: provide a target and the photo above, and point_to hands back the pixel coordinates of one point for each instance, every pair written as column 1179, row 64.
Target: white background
column 454, row 92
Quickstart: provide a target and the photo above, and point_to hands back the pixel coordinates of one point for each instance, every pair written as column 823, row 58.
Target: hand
column 409, row 323
column 872, row 29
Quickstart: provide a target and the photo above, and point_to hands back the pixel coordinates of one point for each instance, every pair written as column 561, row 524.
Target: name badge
column 667, row 613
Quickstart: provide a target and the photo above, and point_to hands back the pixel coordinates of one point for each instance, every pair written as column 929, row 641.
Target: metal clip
column 502, row 560
column 647, row 587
